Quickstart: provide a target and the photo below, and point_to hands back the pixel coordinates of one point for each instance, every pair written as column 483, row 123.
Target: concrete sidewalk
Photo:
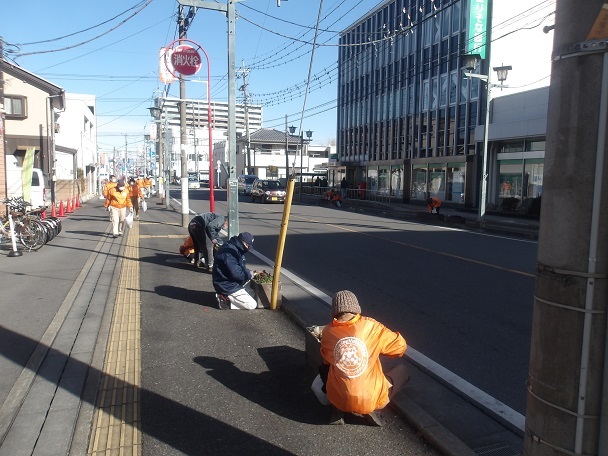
column 136, row 359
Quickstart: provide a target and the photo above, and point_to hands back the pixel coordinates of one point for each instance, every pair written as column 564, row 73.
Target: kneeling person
column 230, row 273
column 351, row 346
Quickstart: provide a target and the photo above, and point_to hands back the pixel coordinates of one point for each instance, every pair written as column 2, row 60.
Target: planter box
column 263, row 293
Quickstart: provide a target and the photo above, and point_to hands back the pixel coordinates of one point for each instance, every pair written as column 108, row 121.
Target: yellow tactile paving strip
column 116, row 427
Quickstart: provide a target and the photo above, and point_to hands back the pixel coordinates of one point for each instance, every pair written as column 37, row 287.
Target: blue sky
column 118, row 60
column 110, row 49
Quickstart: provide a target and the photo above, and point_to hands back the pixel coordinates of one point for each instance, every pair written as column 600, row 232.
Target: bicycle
column 30, row 231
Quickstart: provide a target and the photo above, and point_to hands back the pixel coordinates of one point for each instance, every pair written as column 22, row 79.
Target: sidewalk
column 136, row 359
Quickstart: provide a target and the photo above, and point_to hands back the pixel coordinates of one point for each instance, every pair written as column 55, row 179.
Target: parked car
column 193, row 182
column 245, row 181
column 268, row 191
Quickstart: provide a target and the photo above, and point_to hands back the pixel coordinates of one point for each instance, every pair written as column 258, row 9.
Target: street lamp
column 308, row 136
column 155, row 112
column 470, row 62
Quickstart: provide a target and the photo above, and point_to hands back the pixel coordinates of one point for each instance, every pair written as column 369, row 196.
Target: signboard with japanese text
column 478, row 21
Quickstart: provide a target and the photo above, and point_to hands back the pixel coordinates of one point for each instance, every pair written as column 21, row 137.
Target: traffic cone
column 78, row 204
column 43, row 215
column 61, row 210
column 69, row 208
column 53, row 211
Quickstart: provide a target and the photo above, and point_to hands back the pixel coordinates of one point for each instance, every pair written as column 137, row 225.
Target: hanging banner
column 26, row 173
column 478, row 21
column 166, row 74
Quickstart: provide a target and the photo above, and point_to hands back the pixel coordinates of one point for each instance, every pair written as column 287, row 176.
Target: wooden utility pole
column 567, row 407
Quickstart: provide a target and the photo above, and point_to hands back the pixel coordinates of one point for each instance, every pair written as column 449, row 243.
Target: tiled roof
column 268, row 135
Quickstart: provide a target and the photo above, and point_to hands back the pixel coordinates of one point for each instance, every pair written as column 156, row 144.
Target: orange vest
column 119, row 199
column 135, row 191
column 187, row 247
column 356, row 382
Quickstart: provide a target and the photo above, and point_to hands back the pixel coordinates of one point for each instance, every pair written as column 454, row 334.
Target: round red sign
column 186, row 60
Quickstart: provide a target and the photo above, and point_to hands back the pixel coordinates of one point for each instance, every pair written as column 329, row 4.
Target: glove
column 214, row 241
column 109, row 209
column 131, row 210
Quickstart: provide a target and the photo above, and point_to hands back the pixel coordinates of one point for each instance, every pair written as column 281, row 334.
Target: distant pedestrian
column 205, row 232
column 433, row 205
column 350, row 347
column 343, row 187
column 137, row 196
column 230, row 273
column 119, row 201
column 324, row 182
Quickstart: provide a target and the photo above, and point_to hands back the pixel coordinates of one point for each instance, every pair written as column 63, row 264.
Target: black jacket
column 230, row 272
column 211, row 222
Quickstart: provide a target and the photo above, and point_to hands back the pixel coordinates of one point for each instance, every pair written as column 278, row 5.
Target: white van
column 38, row 190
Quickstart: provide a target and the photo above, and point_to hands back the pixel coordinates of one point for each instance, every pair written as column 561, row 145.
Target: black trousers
column 202, row 242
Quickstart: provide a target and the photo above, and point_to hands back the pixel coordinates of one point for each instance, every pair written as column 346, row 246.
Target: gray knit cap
column 344, row 301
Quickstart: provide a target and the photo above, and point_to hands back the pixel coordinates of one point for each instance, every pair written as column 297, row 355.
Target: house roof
column 36, row 81
column 269, row 135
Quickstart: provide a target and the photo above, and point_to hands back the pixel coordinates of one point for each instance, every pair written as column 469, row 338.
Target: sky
column 110, row 49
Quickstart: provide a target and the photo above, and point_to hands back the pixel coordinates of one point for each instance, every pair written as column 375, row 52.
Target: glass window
column 15, row 106
column 372, row 178
column 436, row 181
column 533, row 178
column 453, row 87
column 419, row 182
column 425, row 95
column 434, row 94
column 383, row 179
column 443, row 90
column 510, row 182
column 455, row 179
column 396, row 172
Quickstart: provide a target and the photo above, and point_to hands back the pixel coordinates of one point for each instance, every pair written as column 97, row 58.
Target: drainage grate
column 496, row 449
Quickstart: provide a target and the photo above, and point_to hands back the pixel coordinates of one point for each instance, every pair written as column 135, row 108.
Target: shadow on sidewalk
column 176, row 425
column 278, row 390
column 202, row 298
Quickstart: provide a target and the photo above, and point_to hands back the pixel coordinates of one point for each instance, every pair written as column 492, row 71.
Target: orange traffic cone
column 68, row 207
column 43, row 215
column 61, row 210
column 53, row 211
column 78, row 204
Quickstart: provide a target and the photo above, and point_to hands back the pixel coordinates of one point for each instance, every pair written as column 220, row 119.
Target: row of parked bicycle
column 29, row 227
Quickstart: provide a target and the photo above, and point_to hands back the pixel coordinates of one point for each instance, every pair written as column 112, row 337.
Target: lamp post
column 471, row 61
column 155, row 112
column 308, row 136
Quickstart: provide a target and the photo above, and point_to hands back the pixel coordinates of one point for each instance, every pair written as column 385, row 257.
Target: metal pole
column 286, row 151
column 233, row 203
column 183, row 132
column 167, row 161
column 301, row 160
column 484, row 160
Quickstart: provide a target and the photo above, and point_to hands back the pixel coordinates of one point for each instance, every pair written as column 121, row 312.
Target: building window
column 16, row 107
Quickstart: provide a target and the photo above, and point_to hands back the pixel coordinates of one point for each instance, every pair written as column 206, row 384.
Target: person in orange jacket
column 119, row 201
column 106, row 191
column 187, row 249
column 351, row 346
column 433, row 205
column 136, row 194
column 148, row 185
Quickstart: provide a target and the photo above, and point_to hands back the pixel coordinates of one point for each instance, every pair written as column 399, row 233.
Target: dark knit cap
column 246, row 237
column 344, row 301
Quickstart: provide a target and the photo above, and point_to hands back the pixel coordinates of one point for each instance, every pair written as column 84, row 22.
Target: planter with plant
column 261, row 284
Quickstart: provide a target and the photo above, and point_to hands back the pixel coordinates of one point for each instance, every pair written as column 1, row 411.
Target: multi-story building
column 410, row 122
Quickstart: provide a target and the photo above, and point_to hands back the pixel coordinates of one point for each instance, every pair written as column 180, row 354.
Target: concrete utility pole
column 567, row 407
column 245, row 72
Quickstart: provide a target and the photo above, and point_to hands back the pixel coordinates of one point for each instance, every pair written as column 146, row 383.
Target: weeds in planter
column 263, row 277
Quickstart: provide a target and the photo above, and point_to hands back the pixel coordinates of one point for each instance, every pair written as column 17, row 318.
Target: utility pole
column 567, row 406
column 245, row 72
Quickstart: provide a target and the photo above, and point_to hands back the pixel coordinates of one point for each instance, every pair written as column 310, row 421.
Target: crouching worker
column 351, row 346
column 230, row 273
column 187, row 249
column 433, row 205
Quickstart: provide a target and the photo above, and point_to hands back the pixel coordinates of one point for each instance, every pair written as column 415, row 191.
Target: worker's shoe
column 371, row 419
column 223, row 303
column 336, row 416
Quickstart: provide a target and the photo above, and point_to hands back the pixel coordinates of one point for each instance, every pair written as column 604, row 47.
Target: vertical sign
column 165, row 73
column 26, row 173
column 478, row 19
